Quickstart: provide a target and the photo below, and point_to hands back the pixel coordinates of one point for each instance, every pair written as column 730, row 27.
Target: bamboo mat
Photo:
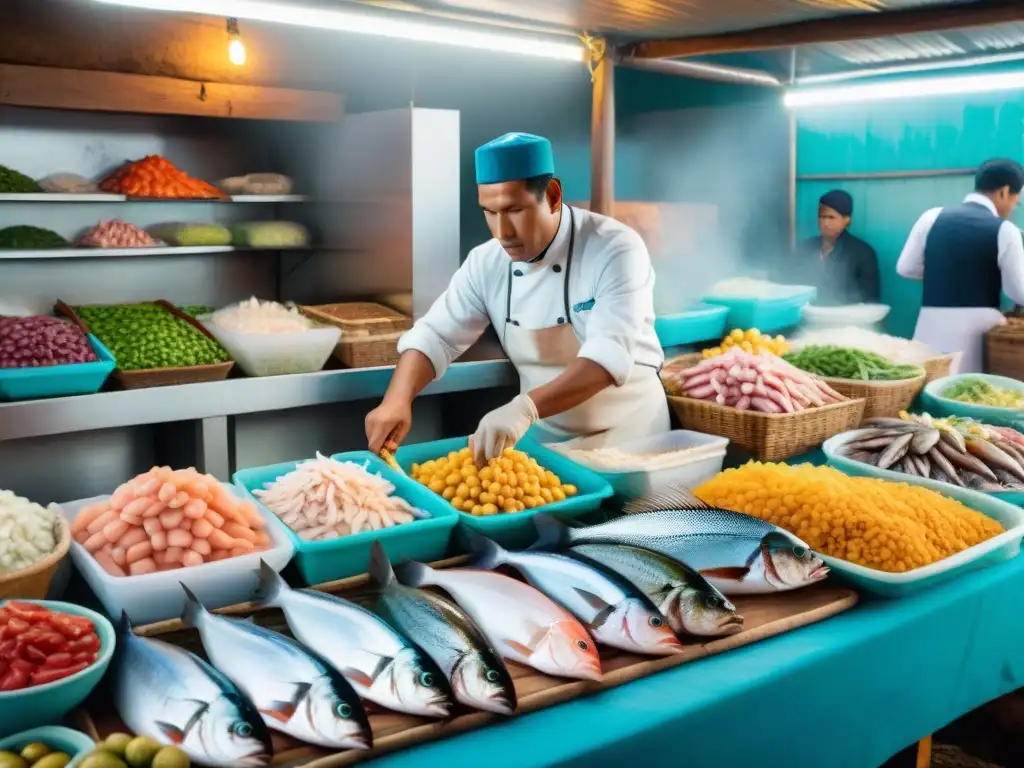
column 764, row 616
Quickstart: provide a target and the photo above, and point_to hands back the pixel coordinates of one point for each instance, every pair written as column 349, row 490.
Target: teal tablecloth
column 848, row 692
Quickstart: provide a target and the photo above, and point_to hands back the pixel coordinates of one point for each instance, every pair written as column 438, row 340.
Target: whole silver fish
column 737, row 553
column 477, row 674
column 614, row 611
column 382, row 666
column 296, row 692
column 176, row 698
column 995, row 457
column 689, row 601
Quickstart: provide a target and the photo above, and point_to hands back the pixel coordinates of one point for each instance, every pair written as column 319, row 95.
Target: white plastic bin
column 275, row 354
column 856, row 315
column 159, row 596
column 689, row 472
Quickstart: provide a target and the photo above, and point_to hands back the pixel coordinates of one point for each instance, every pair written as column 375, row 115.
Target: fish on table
column 170, row 695
column 295, row 692
column 476, row 673
column 738, row 554
column 383, row 666
column 692, row 604
column 611, row 608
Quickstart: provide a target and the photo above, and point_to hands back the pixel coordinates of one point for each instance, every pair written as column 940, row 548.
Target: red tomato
column 72, row 627
column 90, row 642
column 58, row 661
column 15, row 679
column 27, row 611
column 15, row 626
column 17, row 663
column 44, row 676
column 8, row 648
column 4, row 666
column 86, row 656
column 33, row 654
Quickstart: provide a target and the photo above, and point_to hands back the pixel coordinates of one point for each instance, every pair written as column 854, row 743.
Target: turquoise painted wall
column 911, row 134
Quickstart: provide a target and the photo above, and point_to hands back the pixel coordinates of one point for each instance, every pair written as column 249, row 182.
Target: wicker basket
column 938, row 367
column 882, row 398
column 360, row 318
column 368, row 351
column 33, row 583
column 769, row 436
column 1004, row 350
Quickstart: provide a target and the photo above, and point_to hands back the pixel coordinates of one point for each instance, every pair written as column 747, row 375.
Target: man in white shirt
column 570, row 295
column 967, row 255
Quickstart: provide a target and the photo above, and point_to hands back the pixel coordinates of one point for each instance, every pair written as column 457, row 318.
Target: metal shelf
column 114, row 253
column 157, row 405
column 102, row 197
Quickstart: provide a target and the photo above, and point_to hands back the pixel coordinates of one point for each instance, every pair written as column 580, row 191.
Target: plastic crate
column 516, row 530
column 702, row 322
column 426, row 539
column 767, row 315
column 58, row 380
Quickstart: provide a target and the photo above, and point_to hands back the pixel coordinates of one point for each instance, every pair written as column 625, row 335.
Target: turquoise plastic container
column 319, row 561
column 59, row 739
column 701, row 322
column 767, row 315
column 516, row 530
column 937, row 405
column 45, row 704
column 58, row 380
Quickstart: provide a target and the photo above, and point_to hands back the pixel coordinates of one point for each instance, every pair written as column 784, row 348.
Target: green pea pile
column 146, row 336
column 25, row 237
column 843, row 363
column 14, row 181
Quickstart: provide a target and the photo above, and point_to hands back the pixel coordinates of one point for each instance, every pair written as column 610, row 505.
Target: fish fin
column 175, row 734
column 552, row 533
column 601, row 617
column 382, row 664
column 380, row 571
column 734, row 574
column 281, row 711
column 193, row 611
column 271, row 585
column 519, row 648
column 358, row 676
column 679, row 497
column 594, row 601
column 487, row 553
column 414, row 574
column 124, row 624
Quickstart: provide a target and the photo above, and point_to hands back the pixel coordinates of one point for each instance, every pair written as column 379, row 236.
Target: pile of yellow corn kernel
column 749, row 341
column 879, row 524
column 512, row 483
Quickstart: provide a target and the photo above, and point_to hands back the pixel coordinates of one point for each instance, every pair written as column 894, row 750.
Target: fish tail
column 552, row 533
column 193, row 612
column 414, row 574
column 271, row 585
column 487, row 553
column 380, row 571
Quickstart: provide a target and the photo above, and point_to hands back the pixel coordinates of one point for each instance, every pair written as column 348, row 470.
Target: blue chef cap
column 513, row 157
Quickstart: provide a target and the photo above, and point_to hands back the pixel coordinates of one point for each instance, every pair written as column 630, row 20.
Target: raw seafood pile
column 24, row 237
column 744, row 381
column 33, row 342
column 617, row 460
column 40, row 646
column 155, row 176
column 255, row 316
column 147, row 336
column 957, row 451
column 978, row 391
column 27, row 532
column 115, row 233
column 878, row 524
column 166, row 519
column 841, row 363
column 324, row 499
column 751, row 340
column 12, row 182
column 899, row 351
column 512, row 483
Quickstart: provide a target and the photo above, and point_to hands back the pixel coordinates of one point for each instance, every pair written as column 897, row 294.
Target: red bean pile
column 34, row 342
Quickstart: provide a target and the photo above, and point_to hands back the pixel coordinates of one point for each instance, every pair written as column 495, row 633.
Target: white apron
column 614, row 415
column 958, row 329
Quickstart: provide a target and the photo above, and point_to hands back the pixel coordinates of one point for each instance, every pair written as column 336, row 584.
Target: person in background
column 571, row 296
column 842, row 267
column 967, row 255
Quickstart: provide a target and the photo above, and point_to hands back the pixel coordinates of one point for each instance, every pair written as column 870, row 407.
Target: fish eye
column 582, row 644
column 426, row 679
column 656, row 621
column 713, row 601
column 344, row 710
column 801, row 552
column 492, row 676
column 242, row 730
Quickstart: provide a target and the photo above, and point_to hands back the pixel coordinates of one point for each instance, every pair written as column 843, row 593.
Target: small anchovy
column 897, row 450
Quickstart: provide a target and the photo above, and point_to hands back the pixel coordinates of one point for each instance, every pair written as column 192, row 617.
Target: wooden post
column 602, row 137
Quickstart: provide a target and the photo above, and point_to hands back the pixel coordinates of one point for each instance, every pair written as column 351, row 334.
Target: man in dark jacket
column 842, row 267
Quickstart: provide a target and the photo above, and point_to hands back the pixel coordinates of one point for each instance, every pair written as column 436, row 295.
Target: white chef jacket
column 611, row 297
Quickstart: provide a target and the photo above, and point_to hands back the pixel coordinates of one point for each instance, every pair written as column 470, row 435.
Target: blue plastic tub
column 701, row 322
column 75, row 744
column 58, row 380
column 516, row 529
column 937, row 405
column 767, row 315
column 319, row 561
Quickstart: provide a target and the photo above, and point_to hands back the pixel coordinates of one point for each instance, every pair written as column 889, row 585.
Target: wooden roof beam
column 839, row 29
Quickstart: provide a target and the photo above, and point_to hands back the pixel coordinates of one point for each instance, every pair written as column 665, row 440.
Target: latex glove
column 502, row 428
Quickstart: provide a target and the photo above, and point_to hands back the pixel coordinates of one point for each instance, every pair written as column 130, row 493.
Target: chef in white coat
column 570, row 295
column 967, row 255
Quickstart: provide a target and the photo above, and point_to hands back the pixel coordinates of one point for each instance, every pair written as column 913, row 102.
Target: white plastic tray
column 274, row 354
column 159, row 596
column 857, row 315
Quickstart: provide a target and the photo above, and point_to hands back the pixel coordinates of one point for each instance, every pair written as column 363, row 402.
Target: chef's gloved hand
column 502, row 428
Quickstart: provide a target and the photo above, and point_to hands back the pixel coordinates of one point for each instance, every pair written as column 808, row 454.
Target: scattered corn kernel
column 751, row 340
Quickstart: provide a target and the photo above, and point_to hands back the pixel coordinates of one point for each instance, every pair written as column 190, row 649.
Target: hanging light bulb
column 236, row 48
